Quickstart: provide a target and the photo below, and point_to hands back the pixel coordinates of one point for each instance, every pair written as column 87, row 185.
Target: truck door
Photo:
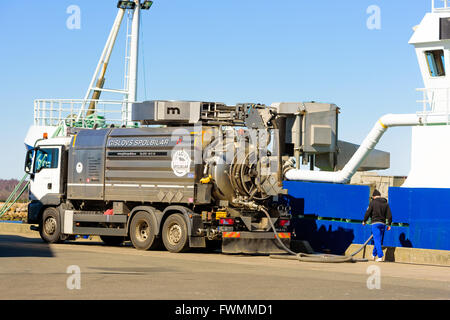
column 46, row 172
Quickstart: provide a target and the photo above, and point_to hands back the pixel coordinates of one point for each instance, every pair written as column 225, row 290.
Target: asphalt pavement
column 31, row 269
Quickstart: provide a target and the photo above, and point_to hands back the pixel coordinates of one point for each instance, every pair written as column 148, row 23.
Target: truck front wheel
column 142, row 232
column 175, row 234
column 50, row 228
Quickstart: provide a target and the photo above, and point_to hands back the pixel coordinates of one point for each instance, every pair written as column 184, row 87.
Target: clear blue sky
column 230, row 51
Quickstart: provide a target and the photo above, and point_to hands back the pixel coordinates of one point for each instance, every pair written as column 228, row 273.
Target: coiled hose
column 323, row 258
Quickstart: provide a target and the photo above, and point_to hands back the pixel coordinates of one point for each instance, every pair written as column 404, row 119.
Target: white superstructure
column 430, row 150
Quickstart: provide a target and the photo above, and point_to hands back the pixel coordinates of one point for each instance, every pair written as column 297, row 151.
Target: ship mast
column 134, row 55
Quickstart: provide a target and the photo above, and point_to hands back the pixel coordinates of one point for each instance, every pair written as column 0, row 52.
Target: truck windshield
column 46, row 158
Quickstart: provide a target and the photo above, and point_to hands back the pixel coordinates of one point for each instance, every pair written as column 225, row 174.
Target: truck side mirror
column 29, row 161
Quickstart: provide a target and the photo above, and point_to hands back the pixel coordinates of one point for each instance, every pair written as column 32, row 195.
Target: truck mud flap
column 254, row 242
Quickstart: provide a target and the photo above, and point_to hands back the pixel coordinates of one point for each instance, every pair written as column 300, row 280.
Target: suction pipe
column 390, row 120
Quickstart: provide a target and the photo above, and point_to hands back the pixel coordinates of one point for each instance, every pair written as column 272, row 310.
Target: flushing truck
column 193, row 173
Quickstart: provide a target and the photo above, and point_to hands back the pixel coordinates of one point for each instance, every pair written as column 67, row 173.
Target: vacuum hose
column 324, row 258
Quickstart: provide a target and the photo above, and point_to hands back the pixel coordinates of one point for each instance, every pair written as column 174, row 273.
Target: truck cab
column 46, row 165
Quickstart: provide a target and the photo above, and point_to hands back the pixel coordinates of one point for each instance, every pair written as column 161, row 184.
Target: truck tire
column 175, row 234
column 142, row 232
column 50, row 228
column 112, row 240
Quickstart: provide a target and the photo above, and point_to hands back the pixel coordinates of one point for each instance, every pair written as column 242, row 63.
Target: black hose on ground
column 323, row 258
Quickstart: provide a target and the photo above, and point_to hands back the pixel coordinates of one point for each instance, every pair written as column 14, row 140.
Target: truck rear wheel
column 142, row 232
column 50, row 228
column 175, row 234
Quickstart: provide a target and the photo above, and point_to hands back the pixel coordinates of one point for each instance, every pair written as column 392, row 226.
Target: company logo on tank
column 181, row 163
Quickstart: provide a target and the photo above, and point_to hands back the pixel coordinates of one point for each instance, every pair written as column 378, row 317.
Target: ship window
column 444, row 29
column 436, row 62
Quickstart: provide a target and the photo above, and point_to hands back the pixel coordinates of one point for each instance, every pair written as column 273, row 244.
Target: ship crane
column 56, row 115
column 131, row 73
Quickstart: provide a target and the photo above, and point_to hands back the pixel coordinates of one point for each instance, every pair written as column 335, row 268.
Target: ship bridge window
column 436, row 62
column 444, row 33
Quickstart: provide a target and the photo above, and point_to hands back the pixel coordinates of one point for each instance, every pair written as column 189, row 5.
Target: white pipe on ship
column 385, row 122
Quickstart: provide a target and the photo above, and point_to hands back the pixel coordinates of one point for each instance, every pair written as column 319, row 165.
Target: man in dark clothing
column 380, row 214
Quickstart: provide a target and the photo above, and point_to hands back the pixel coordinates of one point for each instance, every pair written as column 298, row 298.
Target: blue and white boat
column 331, row 210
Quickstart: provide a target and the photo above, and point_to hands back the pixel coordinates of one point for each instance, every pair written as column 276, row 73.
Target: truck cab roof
column 59, row 141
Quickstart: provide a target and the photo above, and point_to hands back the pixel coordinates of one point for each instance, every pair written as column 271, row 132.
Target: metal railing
column 440, row 5
column 435, row 101
column 50, row 112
